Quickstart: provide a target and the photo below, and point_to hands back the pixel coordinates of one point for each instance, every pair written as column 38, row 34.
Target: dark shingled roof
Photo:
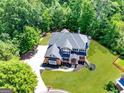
column 77, row 41
column 67, row 45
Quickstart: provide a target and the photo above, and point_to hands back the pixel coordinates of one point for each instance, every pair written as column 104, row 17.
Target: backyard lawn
column 45, row 39
column 85, row 81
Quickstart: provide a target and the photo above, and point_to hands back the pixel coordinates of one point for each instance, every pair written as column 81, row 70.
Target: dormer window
column 52, row 55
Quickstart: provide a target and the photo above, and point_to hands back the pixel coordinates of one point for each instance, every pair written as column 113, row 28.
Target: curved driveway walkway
column 35, row 63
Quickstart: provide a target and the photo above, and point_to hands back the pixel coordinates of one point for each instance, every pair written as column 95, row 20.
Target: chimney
column 79, row 30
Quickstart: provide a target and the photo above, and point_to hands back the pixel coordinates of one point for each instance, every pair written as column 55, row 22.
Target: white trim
column 117, row 81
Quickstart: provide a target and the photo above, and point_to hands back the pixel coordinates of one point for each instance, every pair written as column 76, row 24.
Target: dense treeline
column 22, row 21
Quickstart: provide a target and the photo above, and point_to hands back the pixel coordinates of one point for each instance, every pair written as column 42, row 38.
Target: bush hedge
column 29, row 39
column 17, row 76
column 8, row 50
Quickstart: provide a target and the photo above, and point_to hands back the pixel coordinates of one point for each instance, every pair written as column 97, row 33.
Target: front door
column 73, row 61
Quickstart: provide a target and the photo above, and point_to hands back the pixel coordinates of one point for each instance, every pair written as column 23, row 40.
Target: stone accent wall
column 73, row 61
column 58, row 61
column 46, row 60
column 82, row 58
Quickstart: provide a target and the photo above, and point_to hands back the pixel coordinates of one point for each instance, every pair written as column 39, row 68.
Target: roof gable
column 67, row 45
column 65, row 31
column 77, row 41
column 53, row 51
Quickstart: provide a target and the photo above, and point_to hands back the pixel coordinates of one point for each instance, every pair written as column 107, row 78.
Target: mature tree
column 17, row 76
column 119, row 47
column 29, row 39
column 46, row 20
column 17, row 14
column 59, row 15
column 74, row 14
column 101, row 19
column 87, row 17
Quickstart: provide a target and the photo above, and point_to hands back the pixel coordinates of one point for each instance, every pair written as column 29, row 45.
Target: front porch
column 71, row 65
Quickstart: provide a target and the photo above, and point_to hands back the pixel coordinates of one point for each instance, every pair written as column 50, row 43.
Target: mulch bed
column 29, row 54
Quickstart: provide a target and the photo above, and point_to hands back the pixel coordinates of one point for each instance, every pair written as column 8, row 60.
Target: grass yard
column 45, row 39
column 85, row 81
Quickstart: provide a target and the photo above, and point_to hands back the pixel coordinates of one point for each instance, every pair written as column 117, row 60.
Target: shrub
column 29, row 39
column 4, row 37
column 7, row 50
column 17, row 76
column 119, row 47
column 111, row 87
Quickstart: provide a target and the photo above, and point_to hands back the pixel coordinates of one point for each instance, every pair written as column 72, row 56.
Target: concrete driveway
column 35, row 63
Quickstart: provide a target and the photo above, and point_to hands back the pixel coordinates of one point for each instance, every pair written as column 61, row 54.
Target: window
column 52, row 55
column 81, row 50
column 65, row 59
column 75, row 50
column 66, row 50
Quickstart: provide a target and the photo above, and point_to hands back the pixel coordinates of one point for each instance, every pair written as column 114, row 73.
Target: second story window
column 81, row 50
column 65, row 51
column 76, row 50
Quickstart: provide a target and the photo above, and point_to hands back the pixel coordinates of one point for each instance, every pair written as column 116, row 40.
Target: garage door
column 52, row 62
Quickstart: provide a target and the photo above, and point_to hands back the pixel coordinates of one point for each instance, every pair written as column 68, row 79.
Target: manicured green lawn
column 44, row 41
column 85, row 81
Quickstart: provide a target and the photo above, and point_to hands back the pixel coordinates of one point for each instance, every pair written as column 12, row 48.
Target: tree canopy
column 101, row 19
column 17, row 76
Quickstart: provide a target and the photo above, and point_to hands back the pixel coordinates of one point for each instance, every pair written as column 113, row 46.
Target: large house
column 67, row 47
